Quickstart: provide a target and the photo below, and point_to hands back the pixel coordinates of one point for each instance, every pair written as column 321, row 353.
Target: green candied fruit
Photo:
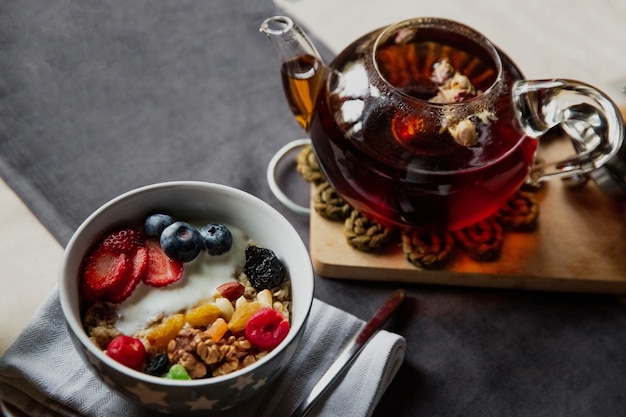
column 177, row 371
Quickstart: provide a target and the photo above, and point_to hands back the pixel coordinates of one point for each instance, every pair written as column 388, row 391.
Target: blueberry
column 181, row 242
column 217, row 238
column 156, row 223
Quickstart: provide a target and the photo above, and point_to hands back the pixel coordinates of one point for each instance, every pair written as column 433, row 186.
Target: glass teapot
column 426, row 124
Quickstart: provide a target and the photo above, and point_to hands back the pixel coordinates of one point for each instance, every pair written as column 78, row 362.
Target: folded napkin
column 41, row 374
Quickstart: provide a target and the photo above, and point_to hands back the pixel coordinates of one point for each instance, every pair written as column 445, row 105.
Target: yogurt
column 198, row 283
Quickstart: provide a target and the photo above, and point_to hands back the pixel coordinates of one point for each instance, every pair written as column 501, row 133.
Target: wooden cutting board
column 579, row 246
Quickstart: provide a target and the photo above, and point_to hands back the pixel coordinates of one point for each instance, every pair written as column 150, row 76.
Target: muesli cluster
column 176, row 301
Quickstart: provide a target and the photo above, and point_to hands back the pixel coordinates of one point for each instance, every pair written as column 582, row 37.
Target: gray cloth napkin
column 41, row 374
column 100, row 97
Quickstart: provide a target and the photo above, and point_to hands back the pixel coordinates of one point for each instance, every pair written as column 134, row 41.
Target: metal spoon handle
column 350, row 352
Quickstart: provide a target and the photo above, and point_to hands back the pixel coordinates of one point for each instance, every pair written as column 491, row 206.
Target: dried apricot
column 203, row 315
column 217, row 330
column 161, row 334
column 242, row 314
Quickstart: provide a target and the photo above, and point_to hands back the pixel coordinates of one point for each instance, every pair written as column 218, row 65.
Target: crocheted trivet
column 365, row 234
column 308, row 167
column 425, row 249
column 327, row 203
column 483, row 240
column 520, row 213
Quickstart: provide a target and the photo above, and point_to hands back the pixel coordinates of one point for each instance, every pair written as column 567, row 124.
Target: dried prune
column 263, row 268
column 158, row 366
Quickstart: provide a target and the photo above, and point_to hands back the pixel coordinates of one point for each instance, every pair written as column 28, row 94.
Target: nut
column 231, row 290
column 226, row 308
column 265, row 297
column 194, row 368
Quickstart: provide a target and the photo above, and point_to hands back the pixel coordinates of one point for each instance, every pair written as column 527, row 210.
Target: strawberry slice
column 116, row 266
column 124, row 241
column 162, row 270
column 103, row 271
column 137, row 272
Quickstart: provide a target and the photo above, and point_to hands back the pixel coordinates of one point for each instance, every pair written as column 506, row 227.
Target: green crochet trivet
column 328, row 204
column 307, row 166
column 365, row 234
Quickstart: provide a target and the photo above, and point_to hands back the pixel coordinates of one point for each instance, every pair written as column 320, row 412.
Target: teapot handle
column 589, row 117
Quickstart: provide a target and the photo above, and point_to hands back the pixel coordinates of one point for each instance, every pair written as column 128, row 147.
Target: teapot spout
column 302, row 68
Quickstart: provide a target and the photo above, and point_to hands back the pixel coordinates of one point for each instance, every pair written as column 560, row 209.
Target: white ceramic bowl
column 190, row 200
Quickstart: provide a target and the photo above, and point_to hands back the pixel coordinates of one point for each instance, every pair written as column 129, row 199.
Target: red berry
column 115, row 267
column 128, row 351
column 162, row 270
column 103, row 271
column 267, row 328
column 139, row 268
column 124, row 241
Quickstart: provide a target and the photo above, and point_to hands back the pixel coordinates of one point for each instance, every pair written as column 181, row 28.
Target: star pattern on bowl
column 205, row 395
column 259, row 384
column 242, row 382
column 202, row 403
column 147, row 394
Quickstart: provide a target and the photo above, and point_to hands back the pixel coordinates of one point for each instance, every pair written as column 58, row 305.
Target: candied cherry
column 128, row 351
column 267, row 328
